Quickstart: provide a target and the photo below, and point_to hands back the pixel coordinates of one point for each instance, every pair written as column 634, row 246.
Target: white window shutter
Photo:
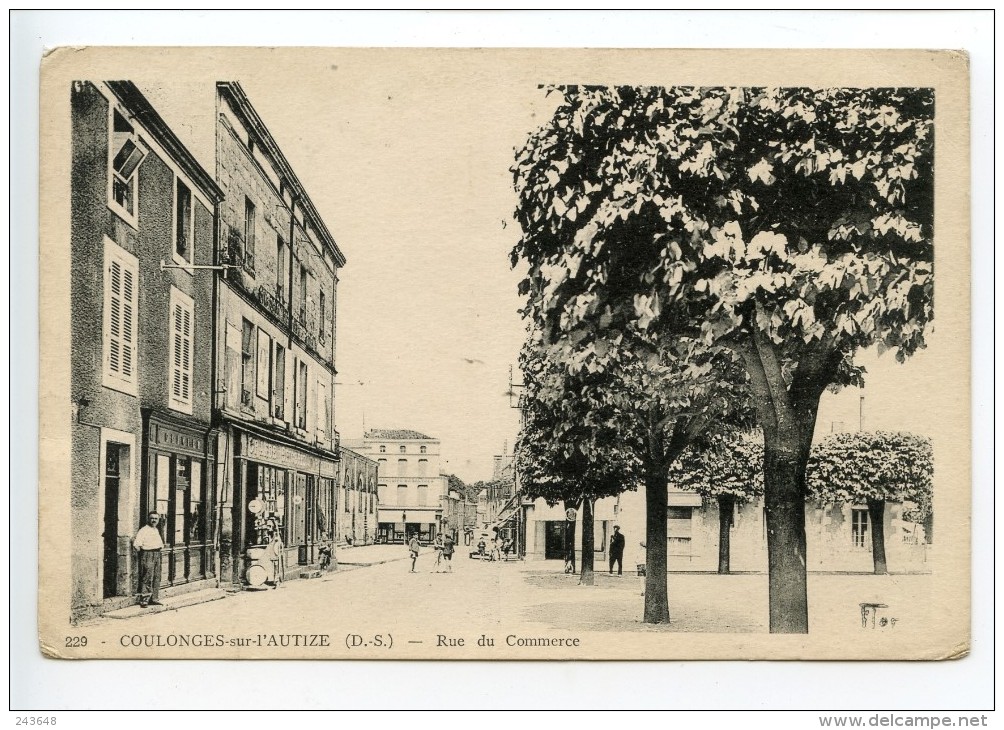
column 115, row 318
column 186, row 357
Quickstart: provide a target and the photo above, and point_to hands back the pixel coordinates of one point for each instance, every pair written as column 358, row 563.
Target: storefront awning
column 509, row 511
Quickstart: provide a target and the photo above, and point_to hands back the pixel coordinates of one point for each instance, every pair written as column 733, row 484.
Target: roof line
column 132, row 98
column 243, row 106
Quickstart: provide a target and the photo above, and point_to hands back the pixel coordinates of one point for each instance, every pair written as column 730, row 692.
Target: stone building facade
column 143, row 217
column 275, row 345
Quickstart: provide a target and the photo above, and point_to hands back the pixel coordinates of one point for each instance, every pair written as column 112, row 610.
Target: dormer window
column 124, row 157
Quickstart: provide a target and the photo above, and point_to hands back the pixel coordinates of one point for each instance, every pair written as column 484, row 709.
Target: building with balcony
column 275, row 363
column 143, row 214
column 410, row 487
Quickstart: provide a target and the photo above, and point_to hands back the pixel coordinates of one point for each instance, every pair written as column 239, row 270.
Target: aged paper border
column 942, row 320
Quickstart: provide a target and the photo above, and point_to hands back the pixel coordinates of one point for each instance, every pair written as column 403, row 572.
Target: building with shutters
column 142, row 221
column 275, row 365
column 356, row 521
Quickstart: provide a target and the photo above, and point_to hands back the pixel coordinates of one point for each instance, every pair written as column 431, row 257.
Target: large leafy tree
column 728, row 468
column 575, row 444
column 789, row 226
column 875, row 468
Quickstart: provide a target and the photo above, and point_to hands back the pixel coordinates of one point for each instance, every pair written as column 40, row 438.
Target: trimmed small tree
column 874, row 468
column 728, row 468
column 573, row 445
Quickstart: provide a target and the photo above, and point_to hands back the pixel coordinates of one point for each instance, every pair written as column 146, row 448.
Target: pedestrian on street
column 413, row 549
column 642, row 566
column 437, row 545
column 617, row 551
column 149, row 544
column 448, row 545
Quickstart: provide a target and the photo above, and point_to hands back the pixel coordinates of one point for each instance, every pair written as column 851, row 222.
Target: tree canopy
column 881, row 465
column 577, row 439
column 729, row 463
column 788, row 226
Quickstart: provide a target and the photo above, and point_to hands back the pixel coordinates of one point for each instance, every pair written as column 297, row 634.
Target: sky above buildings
column 406, row 156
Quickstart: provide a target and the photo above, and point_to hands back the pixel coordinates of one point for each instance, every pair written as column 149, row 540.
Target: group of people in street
column 444, row 545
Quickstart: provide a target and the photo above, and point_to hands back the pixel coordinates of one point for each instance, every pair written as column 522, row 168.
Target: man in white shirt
column 149, row 543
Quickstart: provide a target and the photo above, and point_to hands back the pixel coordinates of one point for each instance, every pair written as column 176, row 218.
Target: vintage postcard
column 504, row 354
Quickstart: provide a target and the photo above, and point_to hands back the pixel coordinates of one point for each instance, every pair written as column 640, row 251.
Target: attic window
column 125, row 156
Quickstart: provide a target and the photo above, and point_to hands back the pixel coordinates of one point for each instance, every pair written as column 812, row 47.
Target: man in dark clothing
column 617, row 551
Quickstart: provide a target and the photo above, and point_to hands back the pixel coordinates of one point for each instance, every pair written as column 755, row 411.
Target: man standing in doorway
column 149, row 543
column 617, row 551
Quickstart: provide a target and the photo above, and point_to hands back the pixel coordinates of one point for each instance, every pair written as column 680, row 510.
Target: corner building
column 142, row 223
column 279, row 449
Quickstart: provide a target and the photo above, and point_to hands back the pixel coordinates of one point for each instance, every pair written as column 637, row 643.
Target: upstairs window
column 279, row 383
column 121, row 306
column 124, row 157
column 301, row 396
column 249, row 234
column 184, row 230
column 402, row 448
column 181, row 321
column 383, row 449
column 421, row 449
column 320, row 318
column 280, row 269
column 303, row 295
column 247, row 364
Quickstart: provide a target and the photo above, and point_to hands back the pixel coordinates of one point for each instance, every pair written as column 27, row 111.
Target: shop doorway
column 554, row 540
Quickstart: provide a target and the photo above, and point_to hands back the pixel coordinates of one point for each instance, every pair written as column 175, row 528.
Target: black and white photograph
column 504, row 354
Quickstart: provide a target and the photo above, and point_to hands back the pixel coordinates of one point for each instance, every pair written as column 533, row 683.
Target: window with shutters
column 300, row 394
column 125, row 153
column 323, row 425
column 279, row 383
column 120, row 321
column 247, row 364
column 180, row 329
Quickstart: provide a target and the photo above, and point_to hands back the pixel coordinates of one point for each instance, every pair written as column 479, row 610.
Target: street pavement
column 374, row 593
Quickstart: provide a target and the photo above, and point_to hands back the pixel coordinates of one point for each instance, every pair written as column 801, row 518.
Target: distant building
column 410, row 486
column 143, row 214
column 356, row 523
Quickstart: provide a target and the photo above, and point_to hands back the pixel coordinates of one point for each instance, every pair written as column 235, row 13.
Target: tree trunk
column 784, row 505
column 570, row 538
column 726, row 504
column 656, row 593
column 586, row 577
column 876, row 517
column 787, row 415
column 929, row 526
